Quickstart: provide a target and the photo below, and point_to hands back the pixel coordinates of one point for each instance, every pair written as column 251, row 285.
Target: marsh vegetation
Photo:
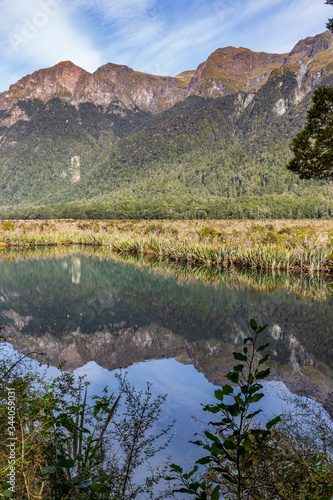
column 277, row 245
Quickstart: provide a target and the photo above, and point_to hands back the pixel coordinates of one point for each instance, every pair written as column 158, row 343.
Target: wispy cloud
column 157, row 36
column 40, row 33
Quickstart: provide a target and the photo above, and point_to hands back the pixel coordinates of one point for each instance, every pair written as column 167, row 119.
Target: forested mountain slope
column 118, row 143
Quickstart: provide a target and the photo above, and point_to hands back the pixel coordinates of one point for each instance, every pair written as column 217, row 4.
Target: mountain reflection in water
column 82, row 305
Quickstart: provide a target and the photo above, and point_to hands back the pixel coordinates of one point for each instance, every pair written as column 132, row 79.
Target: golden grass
column 271, row 244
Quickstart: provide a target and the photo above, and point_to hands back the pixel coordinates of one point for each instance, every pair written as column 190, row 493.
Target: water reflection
column 186, row 391
column 83, row 305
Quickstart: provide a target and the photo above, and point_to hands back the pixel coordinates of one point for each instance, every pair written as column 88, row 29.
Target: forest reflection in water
column 83, row 304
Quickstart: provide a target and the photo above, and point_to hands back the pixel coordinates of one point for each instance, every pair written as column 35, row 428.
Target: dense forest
column 202, row 158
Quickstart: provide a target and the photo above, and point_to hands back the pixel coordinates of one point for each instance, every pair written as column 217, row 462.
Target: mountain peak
column 113, row 69
column 64, row 69
column 65, row 80
column 227, row 70
column 151, row 92
column 312, row 46
column 231, row 69
column 65, row 64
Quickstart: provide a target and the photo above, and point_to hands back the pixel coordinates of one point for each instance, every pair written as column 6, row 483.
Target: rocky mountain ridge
column 226, row 71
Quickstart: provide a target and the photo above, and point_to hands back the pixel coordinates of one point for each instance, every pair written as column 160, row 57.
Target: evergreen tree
column 313, row 146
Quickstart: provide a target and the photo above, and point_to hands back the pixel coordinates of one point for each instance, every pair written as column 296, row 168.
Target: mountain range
column 211, row 142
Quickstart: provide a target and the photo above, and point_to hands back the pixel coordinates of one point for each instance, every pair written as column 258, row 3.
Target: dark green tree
column 329, row 24
column 313, row 146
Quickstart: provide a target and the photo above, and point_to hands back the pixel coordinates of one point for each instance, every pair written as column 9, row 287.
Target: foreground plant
column 245, row 460
column 69, row 446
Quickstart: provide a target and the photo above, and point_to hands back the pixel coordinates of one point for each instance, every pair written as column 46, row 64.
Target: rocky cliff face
column 110, row 83
column 233, row 69
column 311, row 59
column 65, row 80
column 227, row 70
column 311, row 47
column 149, row 92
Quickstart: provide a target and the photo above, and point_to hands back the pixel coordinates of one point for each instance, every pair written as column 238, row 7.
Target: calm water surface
column 173, row 325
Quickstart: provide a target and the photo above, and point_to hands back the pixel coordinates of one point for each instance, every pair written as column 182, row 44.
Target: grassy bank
column 283, row 244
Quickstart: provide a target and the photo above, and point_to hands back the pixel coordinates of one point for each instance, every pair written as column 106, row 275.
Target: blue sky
column 162, row 37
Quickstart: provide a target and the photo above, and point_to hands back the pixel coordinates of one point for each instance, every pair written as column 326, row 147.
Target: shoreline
column 299, row 246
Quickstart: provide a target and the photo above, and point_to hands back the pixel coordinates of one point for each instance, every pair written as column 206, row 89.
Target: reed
column 284, row 245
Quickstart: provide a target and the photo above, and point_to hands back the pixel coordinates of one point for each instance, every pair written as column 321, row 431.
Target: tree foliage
column 313, row 146
column 329, row 24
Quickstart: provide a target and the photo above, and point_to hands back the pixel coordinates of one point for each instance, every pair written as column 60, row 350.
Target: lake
column 172, row 324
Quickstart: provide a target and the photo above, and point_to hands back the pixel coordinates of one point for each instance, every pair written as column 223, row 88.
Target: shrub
column 244, row 460
column 8, row 226
column 68, row 445
column 207, row 232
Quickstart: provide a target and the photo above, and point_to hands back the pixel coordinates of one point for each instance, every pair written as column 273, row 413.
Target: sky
column 163, row 37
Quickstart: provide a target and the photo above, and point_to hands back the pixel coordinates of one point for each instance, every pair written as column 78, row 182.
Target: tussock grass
column 276, row 245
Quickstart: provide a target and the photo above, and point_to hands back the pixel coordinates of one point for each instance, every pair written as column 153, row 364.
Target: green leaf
column 263, row 374
column 84, row 484
column 263, row 360
column 233, row 377
column 262, row 347
column 238, row 368
column 239, row 356
column 5, row 485
column 203, row 460
column 219, row 394
column 215, row 493
column 253, row 324
column 247, row 339
column 197, row 443
column 247, row 444
column 212, row 409
column 215, row 449
column 262, row 328
column 247, row 465
column 229, row 478
column 183, row 490
column 251, row 415
column 239, row 400
column 50, row 469
column 235, row 410
column 226, row 390
column 176, row 468
column 8, row 494
column 273, row 422
column 66, row 463
column 254, row 399
column 212, row 437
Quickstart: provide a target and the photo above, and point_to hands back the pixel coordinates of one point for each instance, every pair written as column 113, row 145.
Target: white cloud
column 48, row 48
column 157, row 36
column 168, row 51
column 279, row 30
column 40, row 33
column 120, row 11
